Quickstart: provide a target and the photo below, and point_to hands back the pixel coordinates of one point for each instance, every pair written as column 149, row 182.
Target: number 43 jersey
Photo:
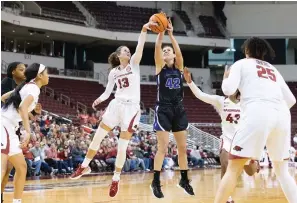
column 170, row 86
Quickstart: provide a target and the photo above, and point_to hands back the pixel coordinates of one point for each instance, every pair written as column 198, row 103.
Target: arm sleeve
column 109, row 87
column 230, row 84
column 207, row 98
column 287, row 94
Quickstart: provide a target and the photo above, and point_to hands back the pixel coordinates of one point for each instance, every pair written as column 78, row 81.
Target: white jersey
column 228, row 111
column 257, row 81
column 11, row 113
column 127, row 81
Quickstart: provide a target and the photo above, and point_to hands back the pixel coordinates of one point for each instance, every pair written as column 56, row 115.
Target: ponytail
column 113, row 60
column 31, row 73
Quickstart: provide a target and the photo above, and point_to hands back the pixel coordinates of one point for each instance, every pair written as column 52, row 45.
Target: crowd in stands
column 58, row 147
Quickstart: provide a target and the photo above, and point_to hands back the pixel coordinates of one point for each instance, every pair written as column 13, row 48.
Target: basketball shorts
column 10, row 143
column 125, row 114
column 260, row 126
column 170, row 118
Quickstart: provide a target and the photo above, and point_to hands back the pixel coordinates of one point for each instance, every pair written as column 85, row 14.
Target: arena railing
column 206, row 140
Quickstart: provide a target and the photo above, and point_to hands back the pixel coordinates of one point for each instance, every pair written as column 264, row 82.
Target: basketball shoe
column 185, row 184
column 80, row 171
column 114, row 188
column 156, row 189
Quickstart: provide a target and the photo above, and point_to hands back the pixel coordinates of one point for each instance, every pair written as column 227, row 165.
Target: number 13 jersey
column 128, row 82
column 170, row 86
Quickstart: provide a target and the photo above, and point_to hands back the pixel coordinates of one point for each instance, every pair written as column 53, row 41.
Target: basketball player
column 170, row 114
column 266, row 119
column 124, row 110
column 17, row 105
column 15, row 76
column 229, row 111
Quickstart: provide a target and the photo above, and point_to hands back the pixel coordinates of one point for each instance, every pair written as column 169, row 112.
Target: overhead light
column 31, row 33
column 19, row 45
column 13, row 31
column 232, row 49
column 220, row 65
column 11, row 41
column 47, row 35
column 28, row 42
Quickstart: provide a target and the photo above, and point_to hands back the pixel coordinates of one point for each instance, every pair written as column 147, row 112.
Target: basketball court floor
column 134, row 188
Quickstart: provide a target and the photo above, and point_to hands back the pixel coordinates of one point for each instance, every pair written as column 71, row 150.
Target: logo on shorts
column 128, row 69
column 237, row 148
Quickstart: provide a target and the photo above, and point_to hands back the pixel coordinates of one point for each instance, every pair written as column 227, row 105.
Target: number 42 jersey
column 170, row 86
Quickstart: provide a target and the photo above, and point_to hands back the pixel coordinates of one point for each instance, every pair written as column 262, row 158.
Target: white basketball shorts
column 122, row 113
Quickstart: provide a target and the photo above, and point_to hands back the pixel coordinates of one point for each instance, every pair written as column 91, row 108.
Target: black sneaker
column 185, row 184
column 156, row 189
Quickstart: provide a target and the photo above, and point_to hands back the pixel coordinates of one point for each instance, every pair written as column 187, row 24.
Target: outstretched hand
column 147, row 25
column 170, row 27
column 187, row 75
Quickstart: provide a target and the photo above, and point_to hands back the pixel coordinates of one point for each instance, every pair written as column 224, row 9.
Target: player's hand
column 38, row 108
column 24, row 143
column 234, row 97
column 170, row 27
column 227, row 72
column 147, row 25
column 187, row 75
column 95, row 103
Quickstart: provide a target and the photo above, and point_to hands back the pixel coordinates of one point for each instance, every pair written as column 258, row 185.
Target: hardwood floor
column 134, row 188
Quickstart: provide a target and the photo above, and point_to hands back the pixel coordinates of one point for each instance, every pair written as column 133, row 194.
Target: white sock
column 116, row 176
column 86, row 162
column 287, row 182
column 16, row 201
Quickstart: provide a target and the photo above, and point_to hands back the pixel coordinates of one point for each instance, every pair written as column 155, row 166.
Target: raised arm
column 136, row 58
column 214, row 100
column 159, row 62
column 179, row 60
column 107, row 92
column 231, row 79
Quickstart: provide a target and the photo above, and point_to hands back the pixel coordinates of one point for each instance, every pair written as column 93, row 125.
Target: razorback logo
column 237, row 148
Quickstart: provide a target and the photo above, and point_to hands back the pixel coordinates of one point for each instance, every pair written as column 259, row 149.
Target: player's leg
column 20, row 165
column 248, row 143
column 129, row 124
column 179, row 128
column 5, row 179
column 229, row 180
column 162, row 125
column 278, row 145
column 109, row 120
column 224, row 157
column 5, row 146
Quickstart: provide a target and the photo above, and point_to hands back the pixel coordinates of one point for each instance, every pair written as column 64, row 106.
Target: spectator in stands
column 36, row 151
column 53, row 160
column 77, row 154
column 140, row 156
column 196, row 158
column 83, row 117
column 111, row 155
column 29, row 159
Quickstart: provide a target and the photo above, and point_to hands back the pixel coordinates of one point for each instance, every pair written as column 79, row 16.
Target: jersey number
column 124, row 82
column 266, row 73
column 173, row 83
column 231, row 120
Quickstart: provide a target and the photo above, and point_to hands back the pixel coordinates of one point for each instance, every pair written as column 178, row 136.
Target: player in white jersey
column 17, row 105
column 229, row 110
column 265, row 103
column 123, row 111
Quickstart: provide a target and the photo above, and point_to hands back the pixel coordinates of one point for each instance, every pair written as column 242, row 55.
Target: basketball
column 252, row 168
column 161, row 20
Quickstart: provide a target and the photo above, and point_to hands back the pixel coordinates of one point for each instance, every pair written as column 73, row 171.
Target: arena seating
column 120, row 18
column 183, row 15
column 210, row 26
column 65, row 12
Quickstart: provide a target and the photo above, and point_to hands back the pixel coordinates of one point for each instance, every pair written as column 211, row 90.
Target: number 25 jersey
column 170, row 86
